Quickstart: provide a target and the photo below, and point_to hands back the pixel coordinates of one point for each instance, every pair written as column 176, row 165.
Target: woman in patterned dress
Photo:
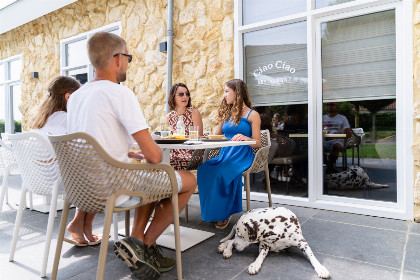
column 180, row 105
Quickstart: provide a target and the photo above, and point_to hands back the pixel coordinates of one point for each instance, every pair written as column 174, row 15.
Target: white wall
column 24, row 11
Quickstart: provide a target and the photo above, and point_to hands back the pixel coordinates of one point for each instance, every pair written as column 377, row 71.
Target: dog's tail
column 373, row 185
column 231, row 234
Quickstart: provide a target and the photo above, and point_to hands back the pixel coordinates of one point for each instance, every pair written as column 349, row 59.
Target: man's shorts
column 329, row 144
column 124, row 199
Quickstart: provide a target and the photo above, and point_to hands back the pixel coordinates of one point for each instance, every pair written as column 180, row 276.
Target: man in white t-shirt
column 334, row 123
column 111, row 113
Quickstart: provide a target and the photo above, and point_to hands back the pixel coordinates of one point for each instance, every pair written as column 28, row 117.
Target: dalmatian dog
column 275, row 229
column 354, row 177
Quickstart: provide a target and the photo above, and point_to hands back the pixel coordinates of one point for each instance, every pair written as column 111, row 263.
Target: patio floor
column 350, row 246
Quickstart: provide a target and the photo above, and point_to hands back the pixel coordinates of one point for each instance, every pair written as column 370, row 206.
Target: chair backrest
column 7, row 157
column 359, row 131
column 265, row 140
column 36, row 159
column 261, row 154
column 353, row 141
column 90, row 175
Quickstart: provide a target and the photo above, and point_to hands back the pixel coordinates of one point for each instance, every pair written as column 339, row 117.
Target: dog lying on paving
column 354, row 177
column 275, row 229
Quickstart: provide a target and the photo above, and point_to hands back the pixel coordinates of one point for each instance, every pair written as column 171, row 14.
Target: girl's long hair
column 233, row 111
column 54, row 101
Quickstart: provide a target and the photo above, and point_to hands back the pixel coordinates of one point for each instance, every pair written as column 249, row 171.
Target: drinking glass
column 194, row 132
column 165, row 131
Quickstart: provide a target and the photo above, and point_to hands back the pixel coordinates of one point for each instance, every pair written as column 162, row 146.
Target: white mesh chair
column 93, row 180
column 40, row 175
column 259, row 164
column 10, row 167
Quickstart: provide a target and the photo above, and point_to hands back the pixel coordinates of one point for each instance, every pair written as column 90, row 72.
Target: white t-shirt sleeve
column 128, row 111
column 345, row 122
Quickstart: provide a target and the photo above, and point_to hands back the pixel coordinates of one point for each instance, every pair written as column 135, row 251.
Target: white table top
column 197, row 145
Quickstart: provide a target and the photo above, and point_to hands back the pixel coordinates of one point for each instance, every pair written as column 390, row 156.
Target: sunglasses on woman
column 181, row 94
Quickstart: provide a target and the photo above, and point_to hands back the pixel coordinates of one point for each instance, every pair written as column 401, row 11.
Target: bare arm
column 219, row 129
column 167, row 119
column 255, row 120
column 348, row 132
column 197, row 120
column 151, row 151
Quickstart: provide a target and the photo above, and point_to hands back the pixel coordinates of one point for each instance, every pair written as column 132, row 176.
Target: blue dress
column 220, row 179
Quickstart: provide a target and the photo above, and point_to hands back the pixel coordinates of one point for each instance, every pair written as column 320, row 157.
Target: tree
column 374, row 106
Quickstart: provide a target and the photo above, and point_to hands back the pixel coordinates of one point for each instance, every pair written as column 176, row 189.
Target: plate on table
column 170, row 141
column 214, row 140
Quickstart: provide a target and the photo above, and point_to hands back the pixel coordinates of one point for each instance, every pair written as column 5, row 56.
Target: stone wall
column 416, row 86
column 203, row 49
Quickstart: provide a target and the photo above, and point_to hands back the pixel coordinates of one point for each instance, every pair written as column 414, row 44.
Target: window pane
column 325, row 3
column 358, row 57
column 2, row 73
column 15, row 68
column 359, row 115
column 76, row 53
column 2, row 109
column 255, row 11
column 17, row 100
column 276, row 65
column 79, row 74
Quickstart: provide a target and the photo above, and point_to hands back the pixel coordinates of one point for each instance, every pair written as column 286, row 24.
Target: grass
column 379, row 150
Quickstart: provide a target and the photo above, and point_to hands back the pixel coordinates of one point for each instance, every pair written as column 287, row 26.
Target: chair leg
column 60, row 240
column 105, row 237
column 4, row 187
column 247, row 189
column 127, row 222
column 31, row 201
column 267, row 182
column 17, row 223
column 358, row 156
column 186, row 212
column 175, row 211
column 115, row 226
column 352, row 155
column 50, row 226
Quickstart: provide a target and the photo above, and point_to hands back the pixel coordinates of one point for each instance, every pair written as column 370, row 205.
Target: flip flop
column 225, row 224
column 98, row 241
column 73, row 241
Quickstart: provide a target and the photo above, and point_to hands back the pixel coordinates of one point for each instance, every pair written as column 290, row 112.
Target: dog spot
column 294, row 220
column 252, row 230
column 261, row 220
column 267, row 221
column 282, row 219
column 283, row 236
column 271, row 227
column 285, row 229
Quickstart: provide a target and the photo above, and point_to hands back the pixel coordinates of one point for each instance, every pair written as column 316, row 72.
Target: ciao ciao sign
column 278, row 64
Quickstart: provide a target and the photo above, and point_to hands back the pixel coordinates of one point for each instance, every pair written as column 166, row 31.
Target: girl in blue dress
column 220, row 179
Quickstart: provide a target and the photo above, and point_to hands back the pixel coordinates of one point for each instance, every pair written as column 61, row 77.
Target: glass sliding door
column 276, row 73
column 358, row 57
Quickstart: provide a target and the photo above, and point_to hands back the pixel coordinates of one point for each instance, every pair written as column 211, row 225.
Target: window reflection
column 256, row 11
column 288, row 155
column 325, row 3
column 17, row 100
column 79, row 74
column 76, row 53
column 276, row 65
column 15, row 68
column 359, row 86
